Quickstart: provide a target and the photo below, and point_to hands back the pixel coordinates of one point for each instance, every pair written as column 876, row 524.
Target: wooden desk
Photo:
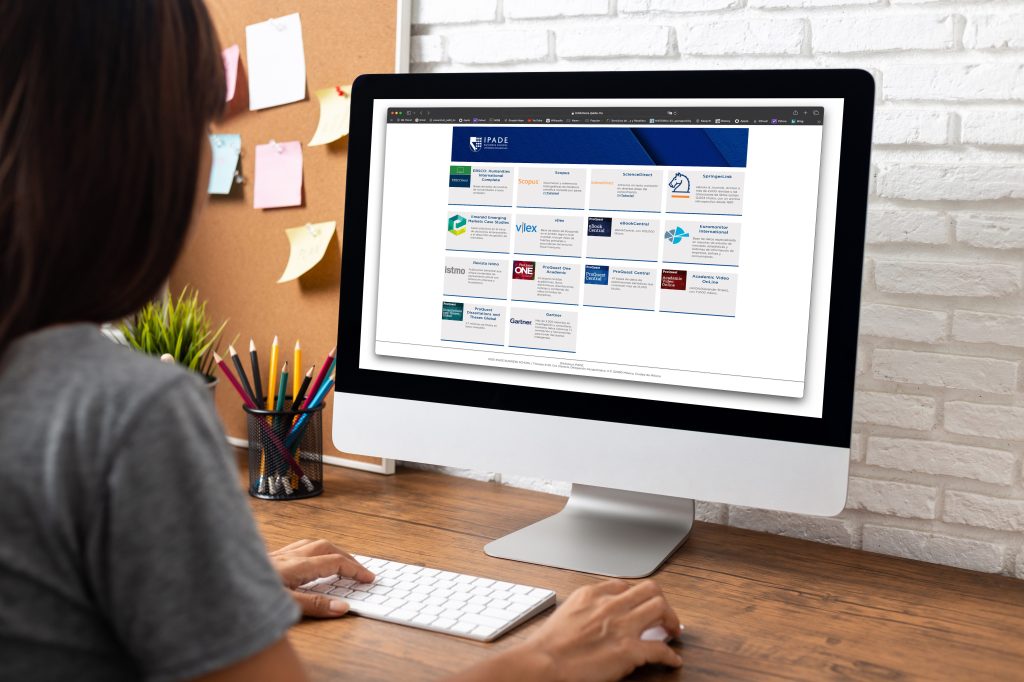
column 755, row 606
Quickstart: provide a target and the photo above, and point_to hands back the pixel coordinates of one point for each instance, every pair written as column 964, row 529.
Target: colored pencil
column 300, row 423
column 241, row 372
column 272, row 379
column 253, row 406
column 303, row 387
column 282, row 388
column 257, row 381
column 328, row 364
column 296, row 364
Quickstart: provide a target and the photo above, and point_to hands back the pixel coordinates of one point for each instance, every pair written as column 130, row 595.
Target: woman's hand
column 595, row 633
column 594, row 636
column 306, row 560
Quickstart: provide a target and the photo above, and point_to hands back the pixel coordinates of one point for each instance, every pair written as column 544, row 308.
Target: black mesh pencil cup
column 286, row 457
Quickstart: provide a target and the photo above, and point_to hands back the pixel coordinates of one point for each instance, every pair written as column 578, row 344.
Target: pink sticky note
column 230, row 56
column 278, row 175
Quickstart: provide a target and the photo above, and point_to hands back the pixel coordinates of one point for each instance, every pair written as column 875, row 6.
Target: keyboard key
column 502, row 585
column 395, row 603
column 451, row 613
column 430, row 572
column 370, row 610
column 520, row 589
column 322, row 588
column 341, row 592
column 479, row 600
column 375, row 599
column 403, row 614
column 445, row 623
column 480, row 619
column 483, row 582
column 379, row 589
column 424, row 619
column 484, row 631
column 399, row 594
column 432, row 610
column 500, row 614
column 416, row 597
column 499, row 604
column 463, row 628
column 358, row 595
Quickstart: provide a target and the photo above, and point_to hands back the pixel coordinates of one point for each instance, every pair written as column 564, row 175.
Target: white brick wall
column 938, row 448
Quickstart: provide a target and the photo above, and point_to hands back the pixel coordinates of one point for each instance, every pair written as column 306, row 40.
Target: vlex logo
column 523, row 269
column 456, row 224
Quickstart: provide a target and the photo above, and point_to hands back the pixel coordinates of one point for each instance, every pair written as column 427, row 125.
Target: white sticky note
column 276, row 62
column 308, row 246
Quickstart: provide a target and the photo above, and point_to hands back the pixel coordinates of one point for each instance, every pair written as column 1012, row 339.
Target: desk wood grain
column 756, row 606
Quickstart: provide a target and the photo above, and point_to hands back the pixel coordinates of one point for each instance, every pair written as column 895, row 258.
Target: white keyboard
column 442, row 601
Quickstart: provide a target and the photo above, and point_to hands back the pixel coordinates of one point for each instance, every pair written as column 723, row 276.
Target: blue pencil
column 315, row 401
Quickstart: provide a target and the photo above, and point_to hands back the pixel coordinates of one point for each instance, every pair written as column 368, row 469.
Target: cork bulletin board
column 236, row 253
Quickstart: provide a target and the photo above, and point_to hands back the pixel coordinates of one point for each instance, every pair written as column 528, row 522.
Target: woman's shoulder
column 78, row 364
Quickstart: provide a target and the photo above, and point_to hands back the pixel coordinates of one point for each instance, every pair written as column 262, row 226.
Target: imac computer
column 642, row 283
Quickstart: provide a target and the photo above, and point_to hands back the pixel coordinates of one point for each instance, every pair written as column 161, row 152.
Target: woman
column 127, row 550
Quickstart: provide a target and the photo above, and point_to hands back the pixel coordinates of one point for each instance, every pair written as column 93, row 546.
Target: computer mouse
column 657, row 633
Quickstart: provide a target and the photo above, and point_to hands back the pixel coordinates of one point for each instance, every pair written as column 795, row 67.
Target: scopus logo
column 475, row 143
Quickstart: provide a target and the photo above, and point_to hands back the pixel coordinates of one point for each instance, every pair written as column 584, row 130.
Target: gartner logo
column 456, row 224
column 679, row 183
column 488, row 143
column 675, row 236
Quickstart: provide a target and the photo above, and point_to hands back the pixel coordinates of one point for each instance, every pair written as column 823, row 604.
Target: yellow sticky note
column 333, row 115
column 308, row 246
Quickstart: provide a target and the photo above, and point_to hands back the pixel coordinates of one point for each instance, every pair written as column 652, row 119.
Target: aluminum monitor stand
column 605, row 531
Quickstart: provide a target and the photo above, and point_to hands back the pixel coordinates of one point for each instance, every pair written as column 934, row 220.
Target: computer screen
column 670, row 250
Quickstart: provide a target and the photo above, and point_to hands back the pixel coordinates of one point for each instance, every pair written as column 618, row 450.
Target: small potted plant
column 177, row 328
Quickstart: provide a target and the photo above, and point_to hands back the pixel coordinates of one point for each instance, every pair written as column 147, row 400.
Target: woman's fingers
column 295, row 545
column 303, row 570
column 634, row 596
column 320, row 605
column 659, row 653
column 654, row 611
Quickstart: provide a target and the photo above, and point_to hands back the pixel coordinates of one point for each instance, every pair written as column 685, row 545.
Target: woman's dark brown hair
column 104, row 106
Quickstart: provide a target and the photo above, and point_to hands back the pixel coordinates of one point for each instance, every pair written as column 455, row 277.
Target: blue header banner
column 708, row 147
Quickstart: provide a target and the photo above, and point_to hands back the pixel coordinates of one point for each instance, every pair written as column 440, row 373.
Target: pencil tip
column 216, row 358
column 232, row 351
column 333, row 351
column 297, row 345
column 284, row 367
column 275, row 340
column 310, row 372
column 252, row 345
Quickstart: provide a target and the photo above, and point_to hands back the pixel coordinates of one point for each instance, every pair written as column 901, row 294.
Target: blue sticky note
column 226, row 150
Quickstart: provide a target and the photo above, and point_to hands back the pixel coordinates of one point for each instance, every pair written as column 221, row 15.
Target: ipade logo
column 475, row 143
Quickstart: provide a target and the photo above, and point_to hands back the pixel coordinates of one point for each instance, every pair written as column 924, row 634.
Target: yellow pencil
column 271, row 389
column 297, row 379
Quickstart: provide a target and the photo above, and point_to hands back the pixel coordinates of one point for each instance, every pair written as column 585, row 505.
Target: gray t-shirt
column 127, row 548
